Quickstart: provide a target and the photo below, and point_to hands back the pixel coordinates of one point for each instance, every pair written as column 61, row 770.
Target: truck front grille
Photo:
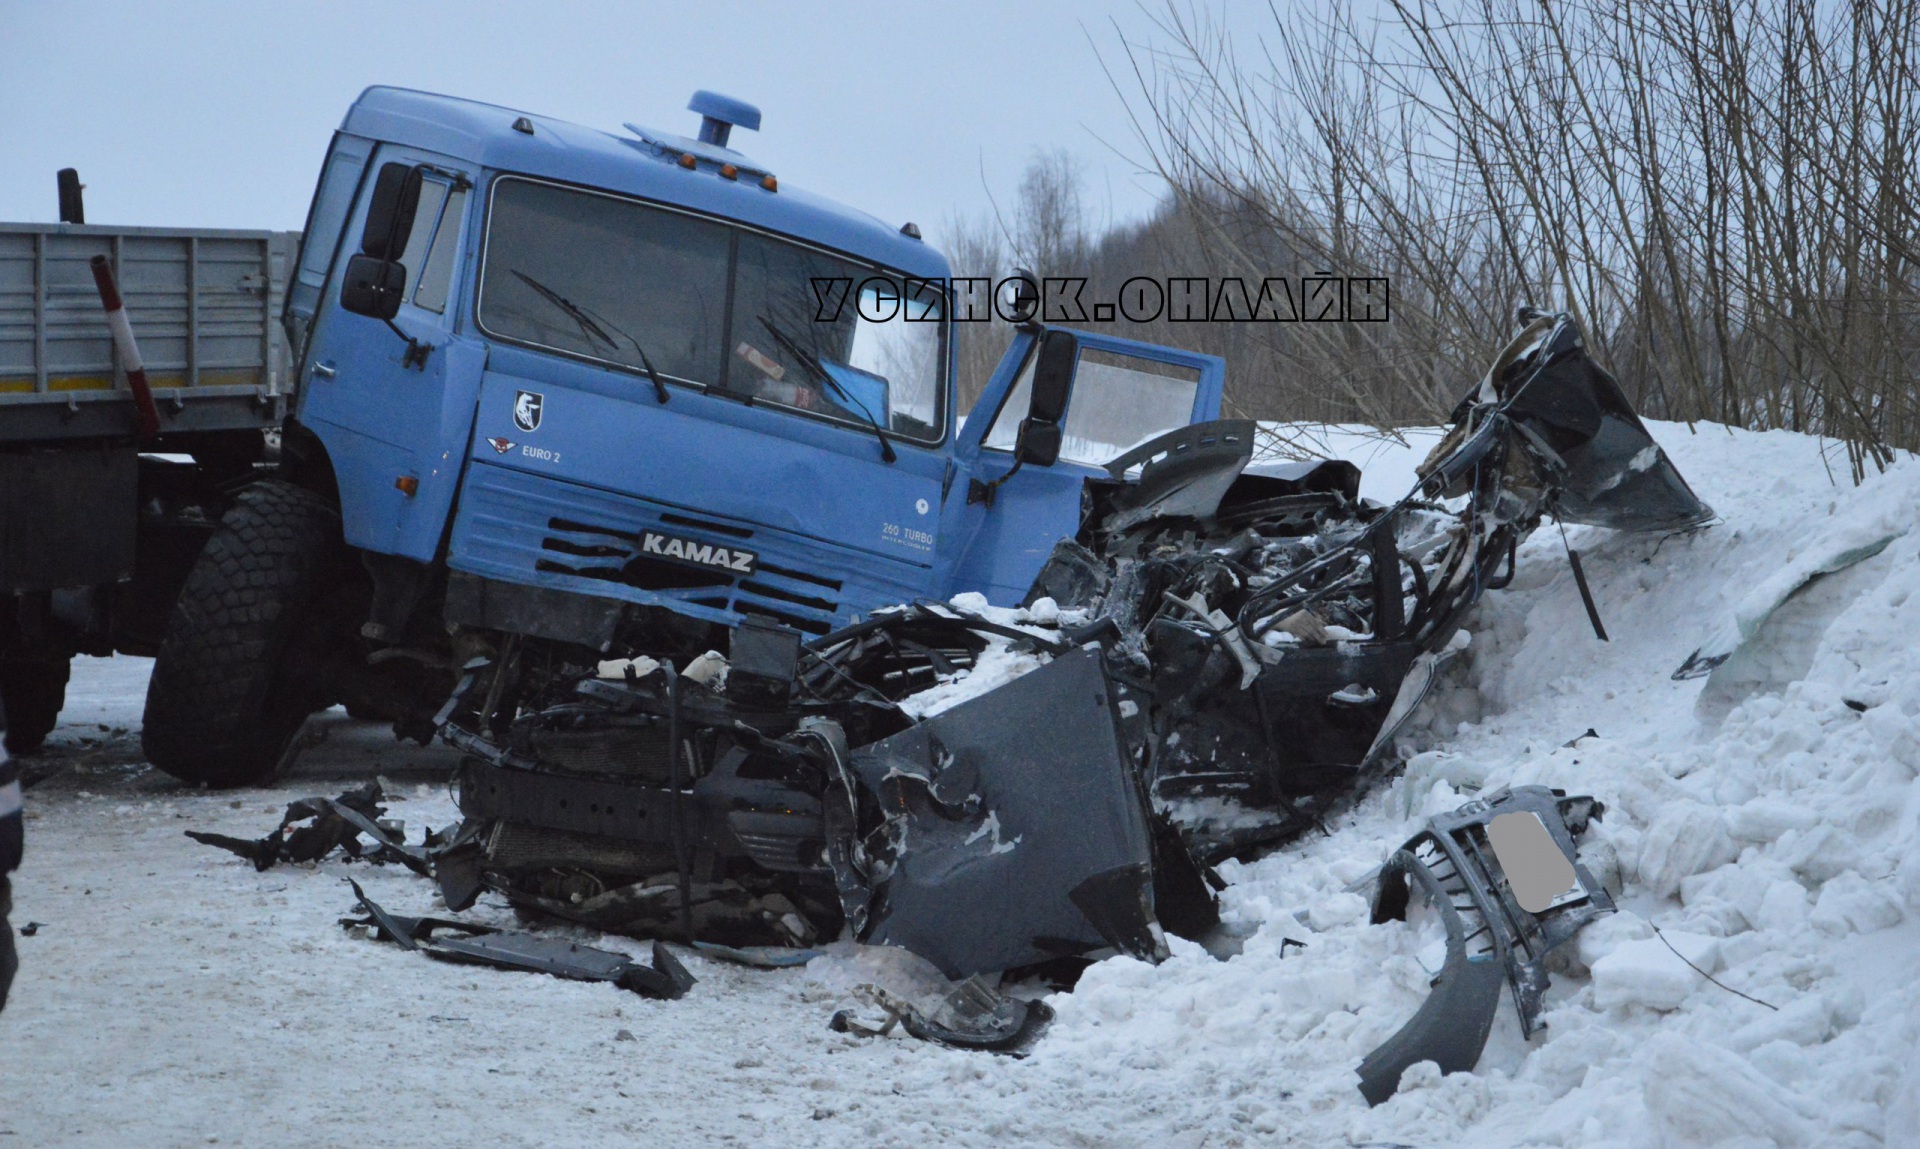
column 531, row 529
column 800, row 599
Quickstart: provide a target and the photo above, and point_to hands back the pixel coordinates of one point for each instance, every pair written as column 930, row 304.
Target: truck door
column 320, row 241
column 1124, row 392
column 393, row 403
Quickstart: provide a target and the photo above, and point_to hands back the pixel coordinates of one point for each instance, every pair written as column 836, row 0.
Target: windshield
column 715, row 306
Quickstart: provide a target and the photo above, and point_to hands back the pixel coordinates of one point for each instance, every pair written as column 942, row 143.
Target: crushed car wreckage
column 1211, row 637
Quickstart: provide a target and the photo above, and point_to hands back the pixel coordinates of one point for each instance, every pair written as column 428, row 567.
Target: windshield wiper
column 592, row 329
column 812, row 363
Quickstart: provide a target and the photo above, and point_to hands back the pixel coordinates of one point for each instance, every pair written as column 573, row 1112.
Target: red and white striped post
column 146, row 416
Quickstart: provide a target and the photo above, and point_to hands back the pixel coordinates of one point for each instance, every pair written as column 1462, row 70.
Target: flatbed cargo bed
column 205, row 307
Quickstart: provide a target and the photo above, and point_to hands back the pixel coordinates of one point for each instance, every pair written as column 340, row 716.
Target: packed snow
column 1762, row 827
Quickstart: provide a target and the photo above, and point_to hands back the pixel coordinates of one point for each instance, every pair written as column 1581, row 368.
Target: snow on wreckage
column 1216, row 661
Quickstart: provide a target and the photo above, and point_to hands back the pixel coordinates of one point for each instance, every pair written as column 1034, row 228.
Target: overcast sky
column 217, row 114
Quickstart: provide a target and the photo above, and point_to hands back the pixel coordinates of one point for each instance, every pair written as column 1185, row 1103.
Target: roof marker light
column 728, row 171
column 686, row 160
column 771, row 184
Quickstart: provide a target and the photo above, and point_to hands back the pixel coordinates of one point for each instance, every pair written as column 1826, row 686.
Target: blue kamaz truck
column 566, row 394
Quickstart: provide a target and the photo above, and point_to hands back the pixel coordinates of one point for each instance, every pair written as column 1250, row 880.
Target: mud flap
column 998, row 808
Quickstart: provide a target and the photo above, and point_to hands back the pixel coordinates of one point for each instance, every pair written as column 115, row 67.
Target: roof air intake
column 719, row 115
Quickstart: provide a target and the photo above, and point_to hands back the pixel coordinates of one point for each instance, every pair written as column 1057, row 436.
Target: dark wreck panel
column 1001, row 809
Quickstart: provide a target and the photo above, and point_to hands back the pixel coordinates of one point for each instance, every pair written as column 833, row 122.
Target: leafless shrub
column 1723, row 191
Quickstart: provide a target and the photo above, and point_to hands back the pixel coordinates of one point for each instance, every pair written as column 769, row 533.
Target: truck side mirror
column 373, row 287
column 1040, row 434
column 396, row 195
column 375, row 278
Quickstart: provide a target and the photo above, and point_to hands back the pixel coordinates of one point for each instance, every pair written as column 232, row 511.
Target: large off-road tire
column 235, row 676
column 33, row 689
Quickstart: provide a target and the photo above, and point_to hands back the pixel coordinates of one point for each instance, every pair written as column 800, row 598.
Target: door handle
column 324, row 371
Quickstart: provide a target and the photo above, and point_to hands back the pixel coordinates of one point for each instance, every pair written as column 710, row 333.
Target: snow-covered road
column 1767, row 820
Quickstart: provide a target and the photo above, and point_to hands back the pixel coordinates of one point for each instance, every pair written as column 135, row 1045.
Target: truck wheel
column 233, row 680
column 32, row 690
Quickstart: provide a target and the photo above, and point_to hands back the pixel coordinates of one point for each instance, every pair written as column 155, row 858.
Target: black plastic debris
column 973, row 1016
column 313, row 828
column 1502, row 874
column 457, row 941
column 456, row 861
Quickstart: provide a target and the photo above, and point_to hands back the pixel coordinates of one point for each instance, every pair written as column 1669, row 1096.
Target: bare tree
column 1048, row 230
column 1724, row 192
column 976, row 250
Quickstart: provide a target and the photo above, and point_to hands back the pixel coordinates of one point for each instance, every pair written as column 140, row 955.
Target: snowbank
column 1386, row 459
column 1766, row 820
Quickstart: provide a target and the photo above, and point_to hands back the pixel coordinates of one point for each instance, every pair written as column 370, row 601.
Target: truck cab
column 618, row 390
